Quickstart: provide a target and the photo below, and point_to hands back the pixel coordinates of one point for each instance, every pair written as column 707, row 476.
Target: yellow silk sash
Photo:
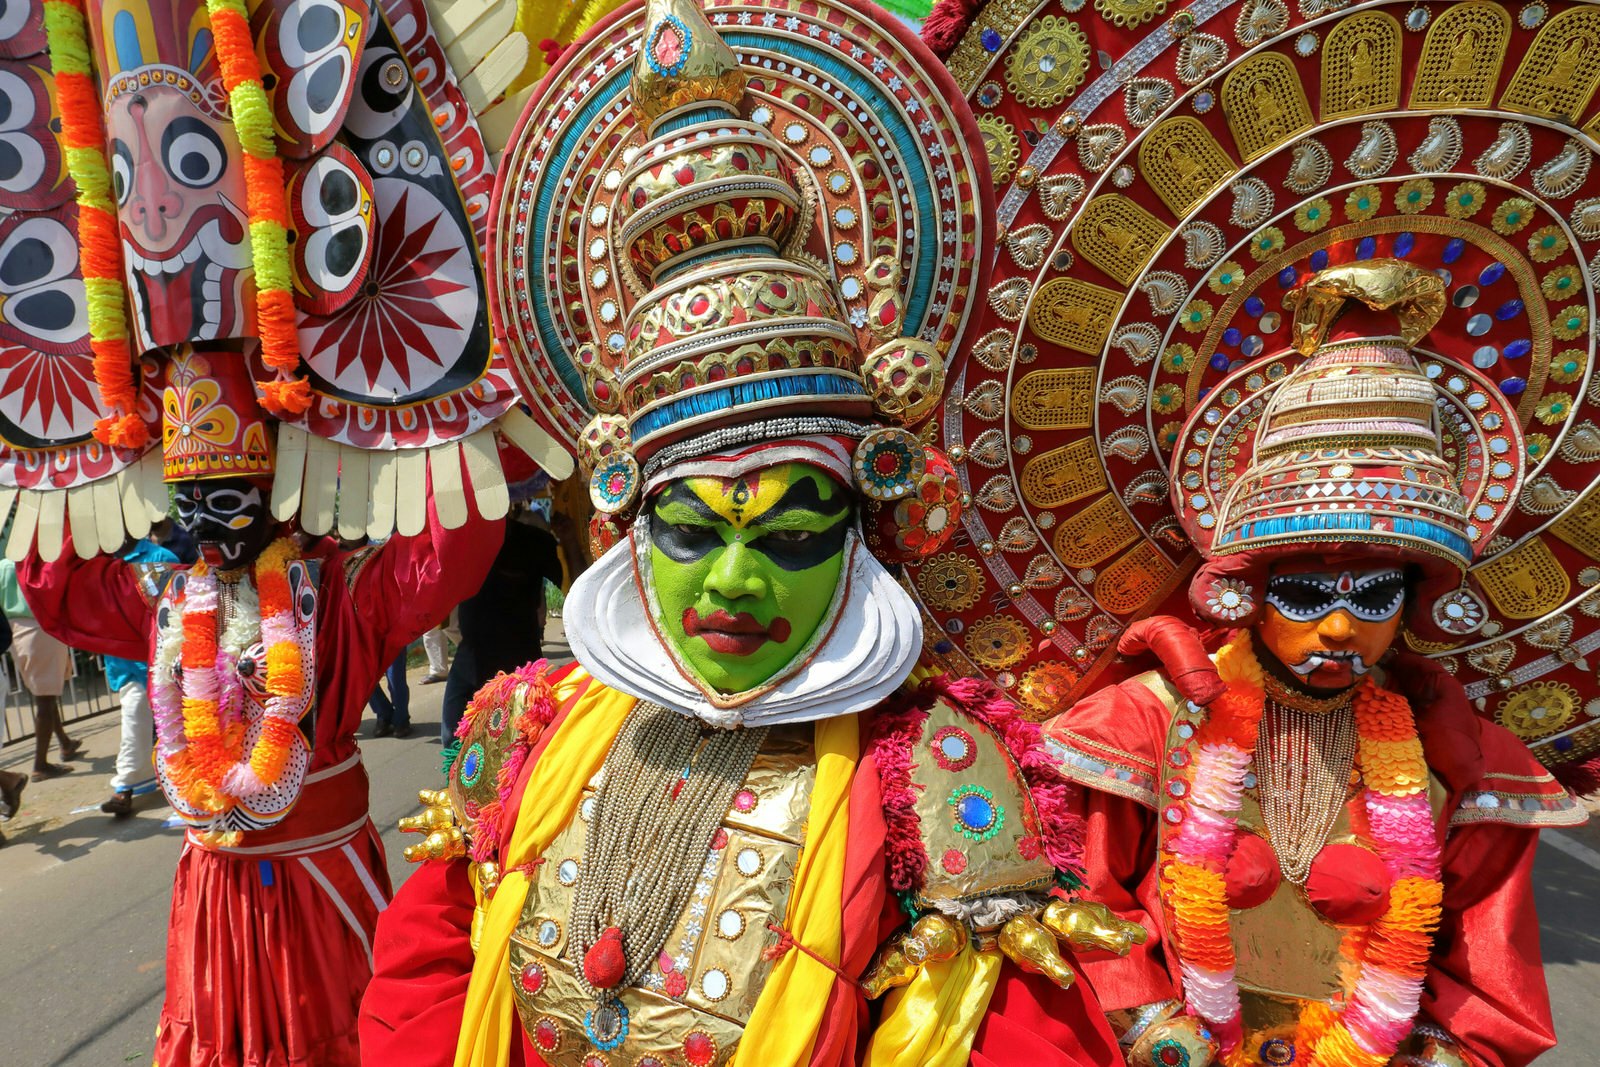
column 933, row 1021
column 783, row 1027
column 786, row 1017
column 574, row 754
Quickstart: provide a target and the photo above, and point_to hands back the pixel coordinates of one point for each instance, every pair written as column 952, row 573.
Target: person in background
column 45, row 664
column 502, row 623
column 433, row 643
column 130, row 681
column 393, row 710
column 12, row 783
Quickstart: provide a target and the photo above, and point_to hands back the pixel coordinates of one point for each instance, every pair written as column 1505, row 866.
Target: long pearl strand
column 666, row 786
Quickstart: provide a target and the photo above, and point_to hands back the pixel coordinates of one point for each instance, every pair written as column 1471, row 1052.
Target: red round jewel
column 744, row 800
column 545, row 1034
column 699, row 1049
column 532, row 978
column 677, row 985
column 954, row 861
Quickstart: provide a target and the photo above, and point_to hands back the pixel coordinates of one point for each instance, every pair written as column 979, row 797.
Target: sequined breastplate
column 1287, row 952
column 694, row 1000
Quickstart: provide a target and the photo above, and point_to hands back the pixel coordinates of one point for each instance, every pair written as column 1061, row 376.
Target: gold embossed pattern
column 712, row 969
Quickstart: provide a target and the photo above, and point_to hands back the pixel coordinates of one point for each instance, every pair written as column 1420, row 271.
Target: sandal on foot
column 11, row 799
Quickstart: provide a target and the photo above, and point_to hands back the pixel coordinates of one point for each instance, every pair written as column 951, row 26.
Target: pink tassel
column 895, row 730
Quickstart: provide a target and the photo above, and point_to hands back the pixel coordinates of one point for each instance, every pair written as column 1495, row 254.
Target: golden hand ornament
column 444, row 839
column 1087, row 925
column 934, row 937
column 1032, row 946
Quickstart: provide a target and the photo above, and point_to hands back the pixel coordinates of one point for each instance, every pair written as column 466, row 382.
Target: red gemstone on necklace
column 605, row 964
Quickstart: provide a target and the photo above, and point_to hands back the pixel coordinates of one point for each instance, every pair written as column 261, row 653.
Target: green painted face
column 744, row 569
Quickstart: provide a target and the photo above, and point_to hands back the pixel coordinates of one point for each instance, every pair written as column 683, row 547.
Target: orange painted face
column 1330, row 627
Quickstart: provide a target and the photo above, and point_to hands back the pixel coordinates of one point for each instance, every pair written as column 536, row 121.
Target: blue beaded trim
column 1352, row 521
column 655, row 38
column 616, row 1039
column 757, row 391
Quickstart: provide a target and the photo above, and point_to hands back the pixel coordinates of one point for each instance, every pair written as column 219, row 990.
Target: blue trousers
column 393, row 708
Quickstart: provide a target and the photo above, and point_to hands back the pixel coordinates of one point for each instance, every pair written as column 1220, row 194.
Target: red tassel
column 604, row 964
column 946, row 23
column 552, row 50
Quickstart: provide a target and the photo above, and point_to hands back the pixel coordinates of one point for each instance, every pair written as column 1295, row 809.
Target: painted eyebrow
column 678, row 493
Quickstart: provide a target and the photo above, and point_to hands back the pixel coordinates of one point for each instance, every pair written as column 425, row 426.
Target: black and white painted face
column 228, row 518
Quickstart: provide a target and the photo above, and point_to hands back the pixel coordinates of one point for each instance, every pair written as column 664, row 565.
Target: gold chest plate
column 1287, row 953
column 698, row 995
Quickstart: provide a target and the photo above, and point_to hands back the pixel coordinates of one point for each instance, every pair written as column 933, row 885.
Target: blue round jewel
column 1518, row 348
column 1491, row 274
column 975, row 813
column 472, row 765
column 1219, row 361
column 1366, row 248
column 1254, row 306
column 991, row 40
column 1513, row 386
column 1453, row 249
column 1404, row 243
column 1231, row 337
column 1508, row 311
column 1287, row 277
column 1319, row 259
column 977, row 816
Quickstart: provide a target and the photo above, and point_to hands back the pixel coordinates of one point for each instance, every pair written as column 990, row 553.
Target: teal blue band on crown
column 1318, row 522
column 718, row 112
column 786, row 386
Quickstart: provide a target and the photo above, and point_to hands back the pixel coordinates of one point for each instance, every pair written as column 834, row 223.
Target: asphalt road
column 84, row 900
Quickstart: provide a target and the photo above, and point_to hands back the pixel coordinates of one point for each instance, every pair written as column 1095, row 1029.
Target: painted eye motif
column 331, row 202
column 193, row 152
column 30, row 155
column 383, row 94
column 42, row 301
column 121, row 171
column 311, row 43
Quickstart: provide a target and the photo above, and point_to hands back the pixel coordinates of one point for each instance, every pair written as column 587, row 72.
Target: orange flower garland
column 267, row 206
column 100, row 247
column 206, row 760
column 1392, row 955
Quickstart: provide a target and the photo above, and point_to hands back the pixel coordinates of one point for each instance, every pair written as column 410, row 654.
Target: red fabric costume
column 269, row 944
column 413, row 1008
column 1485, row 984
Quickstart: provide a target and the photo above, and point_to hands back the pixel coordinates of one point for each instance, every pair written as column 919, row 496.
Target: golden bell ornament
column 1030, row 945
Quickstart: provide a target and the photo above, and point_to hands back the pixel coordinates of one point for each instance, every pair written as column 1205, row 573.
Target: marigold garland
column 100, row 255
column 205, row 757
column 1392, row 953
column 266, row 204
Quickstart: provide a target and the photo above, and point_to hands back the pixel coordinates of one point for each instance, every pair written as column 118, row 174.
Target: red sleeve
column 1485, row 983
column 1119, row 854
column 1112, row 742
column 1032, row 1022
column 91, row 604
column 422, row 962
column 411, row 583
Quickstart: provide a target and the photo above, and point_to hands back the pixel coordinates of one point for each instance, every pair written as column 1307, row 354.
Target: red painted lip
column 733, row 635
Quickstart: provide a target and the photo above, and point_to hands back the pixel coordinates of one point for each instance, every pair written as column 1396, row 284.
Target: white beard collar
column 874, row 640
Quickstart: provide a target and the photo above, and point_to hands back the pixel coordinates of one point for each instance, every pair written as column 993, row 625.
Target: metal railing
column 85, row 696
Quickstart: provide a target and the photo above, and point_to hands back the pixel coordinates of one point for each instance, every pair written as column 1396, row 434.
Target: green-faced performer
column 682, row 849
